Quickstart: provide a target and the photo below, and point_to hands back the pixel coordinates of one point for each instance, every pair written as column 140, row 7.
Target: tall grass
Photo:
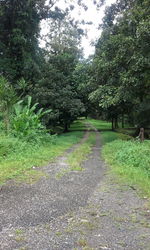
column 131, row 161
column 18, row 156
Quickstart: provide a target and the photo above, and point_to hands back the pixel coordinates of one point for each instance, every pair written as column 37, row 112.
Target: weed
column 31, row 176
column 19, row 231
column 20, row 239
column 122, row 243
column 23, row 248
column 134, row 218
column 104, row 214
column 69, row 230
column 145, row 223
column 58, row 233
column 82, row 242
column 119, row 219
column 47, row 227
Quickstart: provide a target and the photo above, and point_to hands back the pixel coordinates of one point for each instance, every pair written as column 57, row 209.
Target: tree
column 82, row 76
column 122, row 59
column 19, row 34
column 56, row 90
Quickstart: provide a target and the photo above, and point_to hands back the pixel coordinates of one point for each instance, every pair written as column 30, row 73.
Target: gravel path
column 82, row 210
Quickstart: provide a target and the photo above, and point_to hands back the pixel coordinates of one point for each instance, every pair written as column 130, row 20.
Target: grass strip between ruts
column 78, row 156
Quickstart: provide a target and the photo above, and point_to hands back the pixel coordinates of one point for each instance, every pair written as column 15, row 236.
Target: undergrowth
column 18, row 156
column 131, row 161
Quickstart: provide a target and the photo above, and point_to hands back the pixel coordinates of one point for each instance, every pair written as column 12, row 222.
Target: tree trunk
column 66, row 127
column 112, row 123
column 116, row 122
column 122, row 120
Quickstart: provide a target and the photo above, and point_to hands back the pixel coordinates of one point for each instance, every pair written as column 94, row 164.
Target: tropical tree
column 121, row 61
column 56, row 90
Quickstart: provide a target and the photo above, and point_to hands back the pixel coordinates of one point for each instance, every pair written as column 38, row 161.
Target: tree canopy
column 114, row 84
column 121, row 63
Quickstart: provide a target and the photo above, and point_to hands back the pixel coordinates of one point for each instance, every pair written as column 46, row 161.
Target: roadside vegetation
column 18, row 157
column 131, row 161
column 126, row 156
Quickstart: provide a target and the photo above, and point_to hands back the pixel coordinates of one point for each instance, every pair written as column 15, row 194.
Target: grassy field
column 18, row 157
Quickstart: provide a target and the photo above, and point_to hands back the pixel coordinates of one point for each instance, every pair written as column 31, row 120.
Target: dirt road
column 86, row 210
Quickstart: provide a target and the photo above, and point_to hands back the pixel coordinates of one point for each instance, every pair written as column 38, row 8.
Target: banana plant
column 26, row 122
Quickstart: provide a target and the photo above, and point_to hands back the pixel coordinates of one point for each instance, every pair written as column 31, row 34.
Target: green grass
column 99, row 124
column 109, row 136
column 78, row 156
column 127, row 131
column 131, row 161
column 17, row 157
column 78, row 125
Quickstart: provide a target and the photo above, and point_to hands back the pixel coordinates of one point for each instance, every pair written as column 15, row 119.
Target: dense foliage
column 122, row 62
column 45, row 74
column 114, row 84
